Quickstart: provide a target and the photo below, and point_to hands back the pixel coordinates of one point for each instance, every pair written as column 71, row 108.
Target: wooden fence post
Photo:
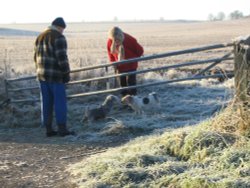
column 242, row 86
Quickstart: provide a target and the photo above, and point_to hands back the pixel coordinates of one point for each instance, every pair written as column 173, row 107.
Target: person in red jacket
column 120, row 46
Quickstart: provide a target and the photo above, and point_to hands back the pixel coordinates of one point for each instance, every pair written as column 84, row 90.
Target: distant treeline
column 222, row 16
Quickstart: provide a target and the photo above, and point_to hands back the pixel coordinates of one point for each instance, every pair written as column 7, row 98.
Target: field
column 125, row 150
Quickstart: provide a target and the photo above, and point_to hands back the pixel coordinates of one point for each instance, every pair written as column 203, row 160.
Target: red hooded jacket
column 132, row 50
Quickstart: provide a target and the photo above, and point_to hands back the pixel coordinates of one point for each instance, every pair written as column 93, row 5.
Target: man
column 120, row 46
column 53, row 71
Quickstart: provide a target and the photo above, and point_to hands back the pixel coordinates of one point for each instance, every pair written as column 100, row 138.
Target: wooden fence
column 242, row 85
column 198, row 76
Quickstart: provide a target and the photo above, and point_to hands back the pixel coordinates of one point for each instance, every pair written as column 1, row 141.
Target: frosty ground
column 29, row 159
column 182, row 104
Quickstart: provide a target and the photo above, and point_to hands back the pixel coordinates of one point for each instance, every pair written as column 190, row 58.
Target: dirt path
column 28, row 159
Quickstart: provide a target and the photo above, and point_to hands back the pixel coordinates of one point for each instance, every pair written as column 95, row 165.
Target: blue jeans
column 53, row 95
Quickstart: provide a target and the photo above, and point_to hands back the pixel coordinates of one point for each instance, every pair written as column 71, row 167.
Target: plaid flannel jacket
column 50, row 56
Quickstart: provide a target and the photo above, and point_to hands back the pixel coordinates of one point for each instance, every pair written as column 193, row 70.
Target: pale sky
column 32, row 11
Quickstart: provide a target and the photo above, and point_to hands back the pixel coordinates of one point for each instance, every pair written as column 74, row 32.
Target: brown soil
column 29, row 159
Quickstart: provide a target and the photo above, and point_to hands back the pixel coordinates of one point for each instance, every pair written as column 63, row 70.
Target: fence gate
column 198, row 76
column 242, row 84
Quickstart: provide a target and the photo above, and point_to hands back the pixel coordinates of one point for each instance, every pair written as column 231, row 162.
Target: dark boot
column 63, row 131
column 49, row 131
column 52, row 133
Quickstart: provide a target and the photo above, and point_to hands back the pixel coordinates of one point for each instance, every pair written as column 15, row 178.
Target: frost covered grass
column 193, row 141
column 194, row 156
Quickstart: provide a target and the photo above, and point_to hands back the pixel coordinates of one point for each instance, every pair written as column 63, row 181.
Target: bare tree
column 211, row 17
column 235, row 15
column 220, row 16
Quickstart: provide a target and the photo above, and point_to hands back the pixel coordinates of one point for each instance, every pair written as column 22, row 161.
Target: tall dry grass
column 197, row 156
